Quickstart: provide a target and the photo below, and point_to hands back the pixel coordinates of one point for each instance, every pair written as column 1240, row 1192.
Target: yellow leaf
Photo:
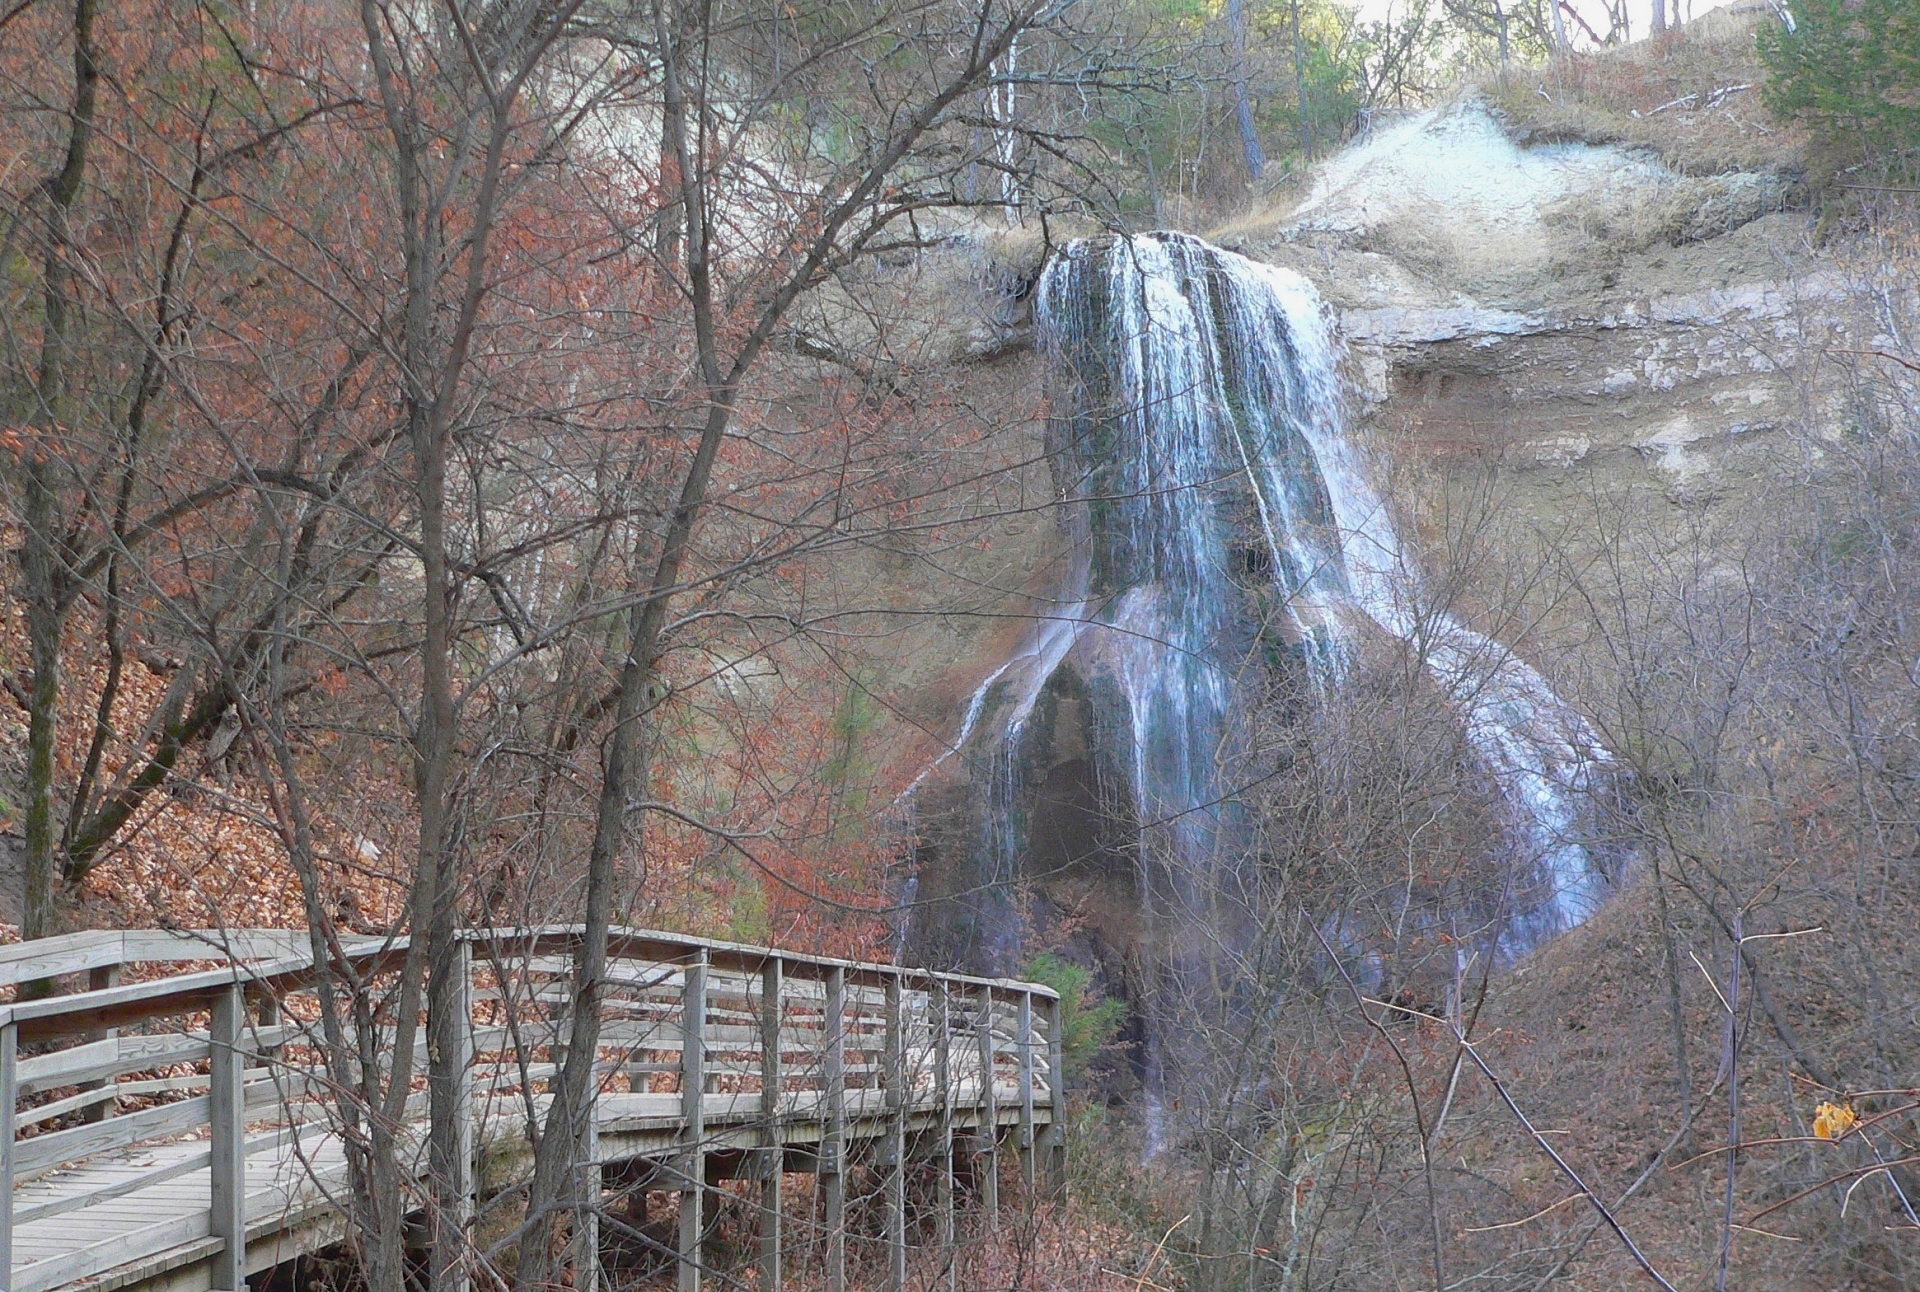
column 1833, row 1121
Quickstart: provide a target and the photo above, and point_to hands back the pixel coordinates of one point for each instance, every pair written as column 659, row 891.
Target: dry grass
column 1692, row 96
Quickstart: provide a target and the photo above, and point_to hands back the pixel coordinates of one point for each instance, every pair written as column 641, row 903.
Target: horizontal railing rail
column 72, row 953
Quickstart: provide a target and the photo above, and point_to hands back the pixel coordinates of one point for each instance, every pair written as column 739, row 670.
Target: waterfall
column 1200, row 441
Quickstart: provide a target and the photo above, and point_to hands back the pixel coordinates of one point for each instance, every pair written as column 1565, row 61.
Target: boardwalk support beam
column 987, row 1164
column 1057, row 1097
column 833, row 1142
column 693, row 1083
column 773, row 1152
column 462, row 1183
column 893, row 1072
column 9, row 1094
column 1023, row 1032
column 940, row 1003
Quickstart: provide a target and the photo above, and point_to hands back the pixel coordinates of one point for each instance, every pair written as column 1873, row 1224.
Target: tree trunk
column 555, row 1189
column 40, row 566
column 42, row 560
column 1300, row 85
column 1009, row 138
column 1256, row 157
column 430, row 373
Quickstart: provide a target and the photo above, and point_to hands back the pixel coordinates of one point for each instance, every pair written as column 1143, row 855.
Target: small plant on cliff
column 1850, row 69
column 1086, row 1023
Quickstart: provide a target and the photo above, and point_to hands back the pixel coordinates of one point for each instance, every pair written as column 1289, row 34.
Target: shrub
column 1085, row 1024
column 1851, row 70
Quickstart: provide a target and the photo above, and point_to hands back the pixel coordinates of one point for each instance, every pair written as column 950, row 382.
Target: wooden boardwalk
column 132, row 1109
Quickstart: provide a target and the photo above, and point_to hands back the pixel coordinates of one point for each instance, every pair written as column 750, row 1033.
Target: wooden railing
column 800, row 1061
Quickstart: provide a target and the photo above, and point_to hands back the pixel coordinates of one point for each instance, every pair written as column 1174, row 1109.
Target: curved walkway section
column 171, row 1124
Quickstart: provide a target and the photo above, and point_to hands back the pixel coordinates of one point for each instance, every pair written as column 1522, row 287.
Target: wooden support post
column 1056, row 1157
column 9, row 1094
column 940, row 1006
column 893, row 1071
column 987, row 1164
column 100, row 978
column 773, row 1146
column 1023, row 1034
column 463, row 1189
column 693, row 1081
column 833, row 1144
column 227, row 1102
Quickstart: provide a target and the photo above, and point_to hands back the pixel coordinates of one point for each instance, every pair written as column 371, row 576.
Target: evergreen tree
column 1851, row 69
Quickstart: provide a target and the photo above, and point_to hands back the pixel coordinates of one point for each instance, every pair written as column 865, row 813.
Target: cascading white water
column 1202, row 402
column 1543, row 753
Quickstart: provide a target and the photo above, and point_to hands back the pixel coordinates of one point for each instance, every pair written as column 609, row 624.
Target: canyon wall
column 1560, row 332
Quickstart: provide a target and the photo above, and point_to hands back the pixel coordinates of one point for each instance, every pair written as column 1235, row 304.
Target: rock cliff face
column 1572, row 313
column 1579, row 319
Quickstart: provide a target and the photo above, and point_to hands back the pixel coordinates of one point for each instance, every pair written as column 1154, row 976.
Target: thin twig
column 1514, row 1224
column 1784, row 933
column 1646, row 1174
column 1833, row 1179
column 1773, row 1140
column 1566, row 1169
column 1413, row 1095
column 1159, row 1249
column 1906, row 363
column 1892, row 1180
column 1732, row 1049
column 1714, row 986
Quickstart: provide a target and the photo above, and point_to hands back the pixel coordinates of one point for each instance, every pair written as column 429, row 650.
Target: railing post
column 9, row 1093
column 266, row 1014
column 833, row 1183
column 941, row 1008
column 227, row 1102
column 893, row 1071
column 693, row 1081
column 100, row 978
column 1057, row 1092
column 773, row 1149
column 462, row 1183
column 1023, row 1030
column 987, row 1163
